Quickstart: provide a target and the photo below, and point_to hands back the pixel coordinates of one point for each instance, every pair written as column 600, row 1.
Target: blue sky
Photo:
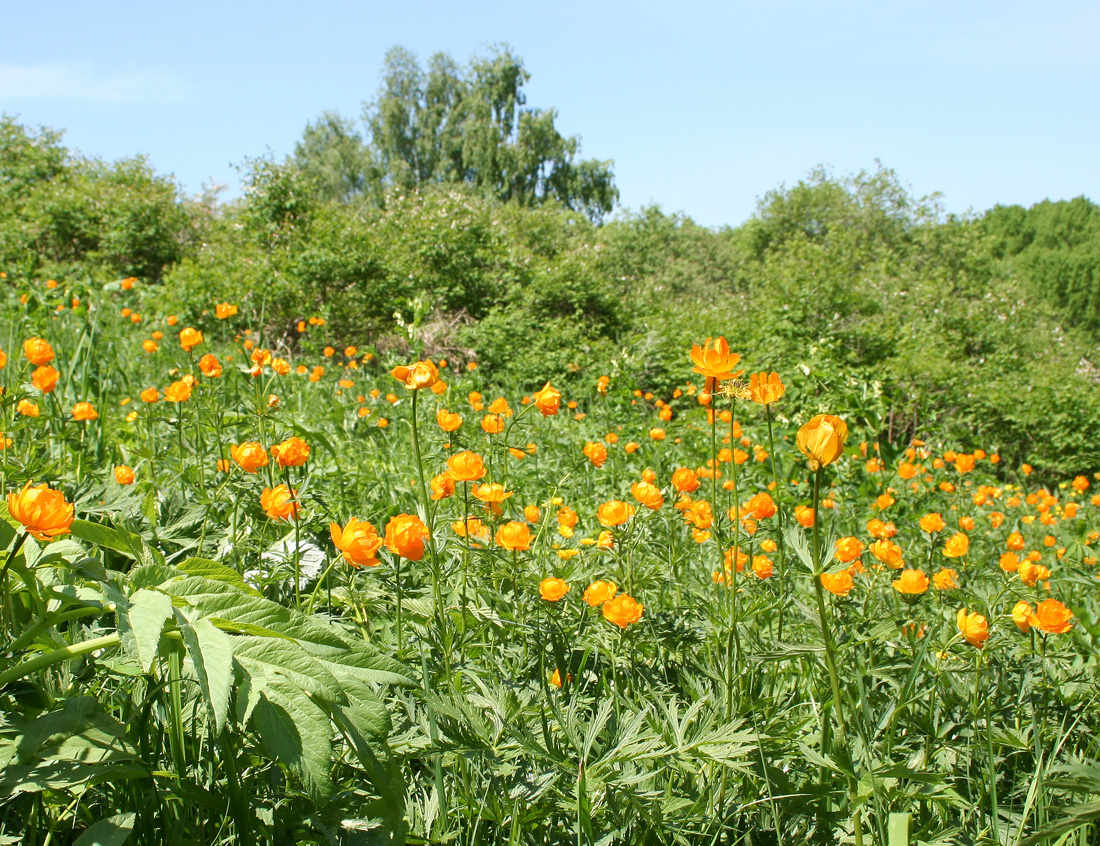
column 704, row 106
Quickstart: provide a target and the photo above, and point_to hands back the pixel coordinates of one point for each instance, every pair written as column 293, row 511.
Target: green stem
column 48, row 659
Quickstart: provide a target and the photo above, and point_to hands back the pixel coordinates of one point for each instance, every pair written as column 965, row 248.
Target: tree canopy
column 446, row 124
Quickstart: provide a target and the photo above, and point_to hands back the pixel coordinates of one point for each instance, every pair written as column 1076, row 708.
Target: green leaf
column 106, row 537
column 295, row 731
column 207, row 569
column 141, row 620
column 211, row 652
column 285, row 658
column 113, row 831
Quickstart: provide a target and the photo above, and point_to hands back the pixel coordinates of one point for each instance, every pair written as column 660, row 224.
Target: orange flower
column 3, row 359
column 466, row 466
column 250, row 456
column 548, row 400
column 500, row 406
column 973, row 627
column 124, row 475
column 622, row 610
column 932, row 523
column 442, row 486
column 804, row 515
column 279, row 503
column 596, row 453
column 763, row 566
column 765, row 388
column 150, row 395
column 514, row 535
column 956, row 546
column 567, row 517
column 1031, row 573
column 27, row 408
column 1021, row 615
column 848, row 549
column 1010, row 562
column 1052, row 617
column 614, row 513
column 293, row 452
column 822, row 439
column 45, row 378
column 190, row 338
column 419, row 374
column 946, row 579
column 358, row 541
column 44, row 513
column 225, row 310
column 553, row 589
column 470, row 527
column 685, row 480
column 38, row 351
column 600, row 592
column 648, row 495
column 657, row 434
column 84, row 411
column 491, row 493
column 150, row 346
column 911, row 582
column 1015, row 542
column 839, row 584
column 492, row 424
column 406, row 535
column 532, row 514
column 448, row 421
column 715, row 361
column 210, row 366
column 178, row 391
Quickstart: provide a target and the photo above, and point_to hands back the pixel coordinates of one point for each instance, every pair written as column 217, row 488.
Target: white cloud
column 85, row 82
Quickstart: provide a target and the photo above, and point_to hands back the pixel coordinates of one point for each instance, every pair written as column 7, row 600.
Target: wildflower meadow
column 259, row 587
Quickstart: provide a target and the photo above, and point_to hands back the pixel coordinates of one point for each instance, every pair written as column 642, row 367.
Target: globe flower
column 448, row 421
column 225, row 310
column 84, row 411
column 822, row 439
column 210, row 366
column 622, row 610
column 494, row 493
column 466, row 466
column 43, row 512
column 888, row 552
column 763, row 566
column 357, row 541
column 531, row 513
column 956, row 546
column 178, row 391
column 1052, row 617
column 973, row 627
column 514, row 535
column 946, row 579
column 548, row 400
column 714, row 361
column 1021, row 615
column 838, row 584
column 150, row 346
column 124, row 475
column 250, row 456
column 614, row 513
column 418, row 375
column 470, row 527
column 3, row 359
column 150, row 395
column 190, row 338
column 804, row 515
column 760, row 506
column 596, row 453
column 932, row 523
column 848, row 549
column 279, row 504
column 293, row 452
column 765, row 388
column 553, row 589
column 406, row 535
column 27, row 408
column 492, row 424
column 600, row 592
column 45, row 378
column 38, row 351
column 648, row 495
column 911, row 583
column 442, row 486
column 1031, row 573
column 685, row 480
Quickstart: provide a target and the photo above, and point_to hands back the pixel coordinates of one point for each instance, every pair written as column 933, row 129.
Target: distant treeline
column 461, row 223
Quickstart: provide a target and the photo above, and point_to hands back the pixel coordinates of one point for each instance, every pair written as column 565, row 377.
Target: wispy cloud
column 86, row 82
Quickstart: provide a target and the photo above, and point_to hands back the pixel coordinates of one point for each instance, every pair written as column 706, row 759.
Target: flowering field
column 257, row 589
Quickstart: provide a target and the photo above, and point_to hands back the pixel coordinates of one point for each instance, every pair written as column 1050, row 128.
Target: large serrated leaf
column 285, row 658
column 215, row 571
column 141, row 618
column 295, row 731
column 211, row 652
column 113, row 831
column 218, row 599
column 369, row 666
